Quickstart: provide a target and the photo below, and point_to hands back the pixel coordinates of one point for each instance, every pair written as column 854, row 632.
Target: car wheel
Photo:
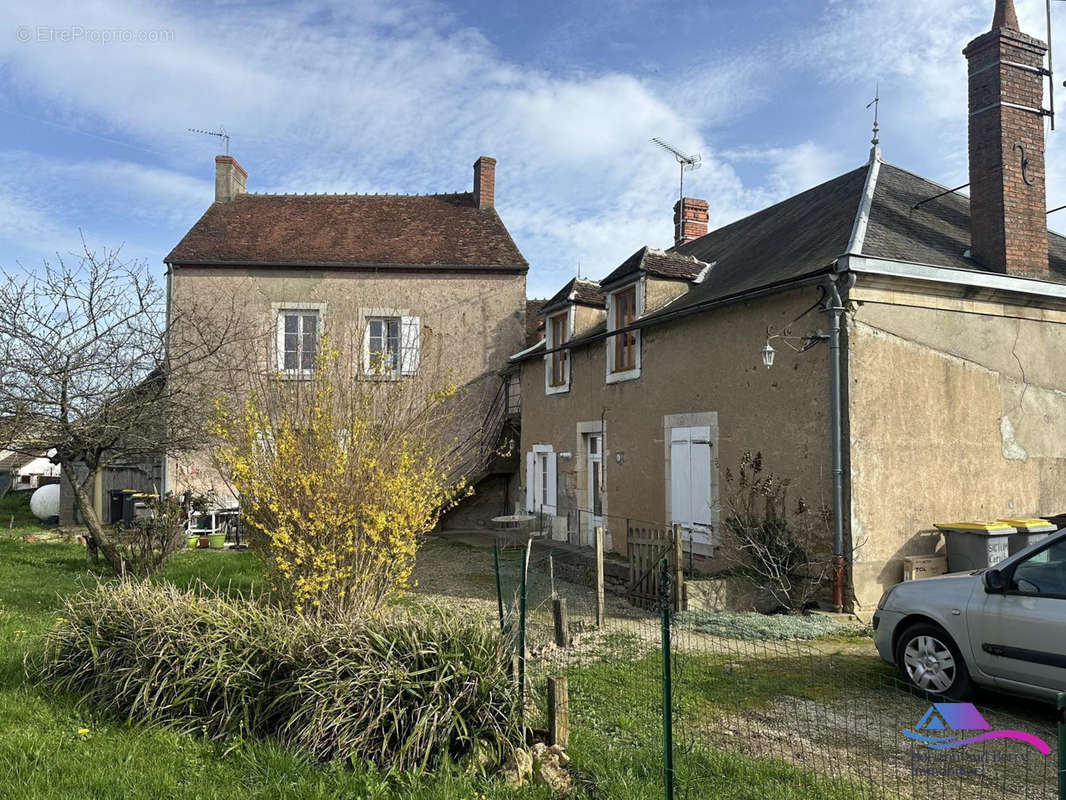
column 929, row 660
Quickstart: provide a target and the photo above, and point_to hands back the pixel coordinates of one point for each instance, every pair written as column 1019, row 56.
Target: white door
column 690, row 483
column 594, row 448
column 541, row 480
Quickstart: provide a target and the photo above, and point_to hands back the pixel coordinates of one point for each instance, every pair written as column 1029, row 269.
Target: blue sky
column 402, row 96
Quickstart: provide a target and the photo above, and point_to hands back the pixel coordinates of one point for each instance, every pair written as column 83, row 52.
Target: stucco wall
column 707, row 365
column 471, row 323
column 957, row 412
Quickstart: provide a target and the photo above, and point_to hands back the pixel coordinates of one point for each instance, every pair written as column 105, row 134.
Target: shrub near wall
column 402, row 692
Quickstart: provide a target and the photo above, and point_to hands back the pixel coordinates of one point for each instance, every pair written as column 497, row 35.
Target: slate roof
column 581, row 291
column 938, row 232
column 432, row 231
column 803, row 236
column 661, row 263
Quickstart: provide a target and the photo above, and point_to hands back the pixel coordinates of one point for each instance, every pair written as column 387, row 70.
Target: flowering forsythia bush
column 338, row 479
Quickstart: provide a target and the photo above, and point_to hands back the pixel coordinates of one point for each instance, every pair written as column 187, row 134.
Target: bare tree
column 783, row 549
column 86, row 367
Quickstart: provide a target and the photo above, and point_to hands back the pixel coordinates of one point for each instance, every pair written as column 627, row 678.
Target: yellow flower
column 82, row 731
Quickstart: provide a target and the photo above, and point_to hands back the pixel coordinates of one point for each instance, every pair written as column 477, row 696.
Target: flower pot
column 203, row 542
column 216, row 540
column 192, row 541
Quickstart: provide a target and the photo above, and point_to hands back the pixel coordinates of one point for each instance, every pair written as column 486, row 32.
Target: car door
column 1019, row 635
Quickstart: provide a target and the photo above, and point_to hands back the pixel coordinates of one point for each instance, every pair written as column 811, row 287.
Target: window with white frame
column 623, row 349
column 298, row 330
column 557, row 364
column 392, row 342
column 384, row 345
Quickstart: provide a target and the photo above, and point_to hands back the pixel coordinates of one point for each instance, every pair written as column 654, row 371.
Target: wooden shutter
column 410, row 344
column 690, row 481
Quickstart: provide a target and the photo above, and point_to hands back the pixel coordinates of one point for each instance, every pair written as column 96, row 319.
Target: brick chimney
column 229, row 179
column 1008, row 206
column 484, row 182
column 690, row 219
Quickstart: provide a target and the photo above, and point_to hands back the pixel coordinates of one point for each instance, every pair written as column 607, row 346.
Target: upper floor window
column 625, row 311
column 298, row 332
column 384, row 345
column 392, row 342
column 623, row 349
column 559, row 374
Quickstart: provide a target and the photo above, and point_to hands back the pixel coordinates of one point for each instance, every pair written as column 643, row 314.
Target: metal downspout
column 834, row 307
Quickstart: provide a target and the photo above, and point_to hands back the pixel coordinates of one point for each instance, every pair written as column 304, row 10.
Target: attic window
column 624, row 308
column 625, row 312
column 559, row 357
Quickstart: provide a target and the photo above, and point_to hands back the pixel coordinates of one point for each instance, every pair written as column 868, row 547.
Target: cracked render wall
column 956, row 411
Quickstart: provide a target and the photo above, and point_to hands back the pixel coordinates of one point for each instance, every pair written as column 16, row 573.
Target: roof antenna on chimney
column 688, row 164
column 220, row 133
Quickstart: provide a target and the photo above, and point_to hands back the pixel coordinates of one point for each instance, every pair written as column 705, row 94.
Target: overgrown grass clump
column 408, row 691
column 754, row 626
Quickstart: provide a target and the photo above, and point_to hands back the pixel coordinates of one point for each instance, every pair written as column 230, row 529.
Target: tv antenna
column 220, row 133
column 688, row 162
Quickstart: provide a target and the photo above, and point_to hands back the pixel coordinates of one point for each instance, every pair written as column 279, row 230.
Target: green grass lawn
column 44, row 755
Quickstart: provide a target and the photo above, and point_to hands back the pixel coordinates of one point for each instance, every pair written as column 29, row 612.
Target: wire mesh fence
column 716, row 715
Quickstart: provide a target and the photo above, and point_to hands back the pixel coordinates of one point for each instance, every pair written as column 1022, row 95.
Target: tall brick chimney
column 229, row 179
column 690, row 219
column 1008, row 205
column 484, row 182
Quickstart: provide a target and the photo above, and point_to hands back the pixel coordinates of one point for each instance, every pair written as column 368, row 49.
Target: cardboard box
column 915, row 567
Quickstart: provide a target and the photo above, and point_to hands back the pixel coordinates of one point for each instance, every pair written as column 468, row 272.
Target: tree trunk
column 98, row 539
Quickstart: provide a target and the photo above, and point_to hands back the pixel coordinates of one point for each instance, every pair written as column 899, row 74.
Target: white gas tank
column 45, row 501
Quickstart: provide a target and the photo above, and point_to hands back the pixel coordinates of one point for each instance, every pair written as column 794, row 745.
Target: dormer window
column 557, row 363
column 623, row 349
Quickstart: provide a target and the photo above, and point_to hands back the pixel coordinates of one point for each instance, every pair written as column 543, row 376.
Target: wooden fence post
column 679, row 571
column 558, row 711
column 562, row 630
column 599, row 576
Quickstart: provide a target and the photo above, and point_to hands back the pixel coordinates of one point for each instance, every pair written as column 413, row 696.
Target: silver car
column 1002, row 627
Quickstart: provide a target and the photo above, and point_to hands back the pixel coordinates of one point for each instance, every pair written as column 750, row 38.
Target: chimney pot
column 484, row 182
column 230, row 178
column 690, row 219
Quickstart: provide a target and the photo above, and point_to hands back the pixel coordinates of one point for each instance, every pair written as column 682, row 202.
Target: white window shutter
column 531, row 481
column 552, row 499
column 410, row 344
column 680, row 478
column 700, row 470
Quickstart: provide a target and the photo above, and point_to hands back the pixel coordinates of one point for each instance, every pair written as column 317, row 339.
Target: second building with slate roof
column 949, row 401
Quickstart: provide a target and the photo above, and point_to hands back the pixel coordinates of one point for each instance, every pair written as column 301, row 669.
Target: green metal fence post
column 668, row 691
column 499, row 586
column 1062, row 745
column 522, row 642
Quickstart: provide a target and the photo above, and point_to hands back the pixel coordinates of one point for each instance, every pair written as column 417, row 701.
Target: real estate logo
column 949, row 724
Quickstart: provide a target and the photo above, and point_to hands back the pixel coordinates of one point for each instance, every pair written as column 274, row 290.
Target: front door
column 690, row 483
column 594, row 447
column 1020, row 635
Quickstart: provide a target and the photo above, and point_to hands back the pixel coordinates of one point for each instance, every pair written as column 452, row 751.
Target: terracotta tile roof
column 581, row 291
column 660, row 263
column 442, row 230
column 534, row 324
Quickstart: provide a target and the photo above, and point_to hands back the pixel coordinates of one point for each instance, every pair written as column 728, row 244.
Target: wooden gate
column 646, row 548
